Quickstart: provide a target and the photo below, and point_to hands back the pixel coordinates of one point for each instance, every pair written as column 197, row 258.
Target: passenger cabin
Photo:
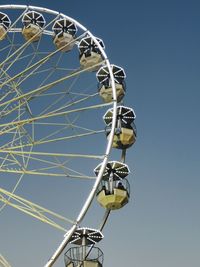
column 33, row 24
column 125, row 129
column 89, row 53
column 114, row 190
column 85, row 254
column 75, row 260
column 64, row 34
column 4, row 25
column 105, row 85
column 115, row 199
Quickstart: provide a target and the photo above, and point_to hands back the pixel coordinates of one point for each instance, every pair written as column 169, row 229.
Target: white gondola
column 4, row 25
column 114, row 190
column 33, row 24
column 105, row 87
column 64, row 33
column 125, row 130
column 83, row 255
column 89, row 53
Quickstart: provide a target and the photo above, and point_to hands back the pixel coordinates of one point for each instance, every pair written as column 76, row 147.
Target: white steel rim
column 91, row 195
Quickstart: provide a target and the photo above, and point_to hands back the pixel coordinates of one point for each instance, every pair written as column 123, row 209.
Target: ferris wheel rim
column 92, row 193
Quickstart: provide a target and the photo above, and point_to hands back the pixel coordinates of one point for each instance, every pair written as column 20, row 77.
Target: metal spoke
column 49, row 109
column 32, row 209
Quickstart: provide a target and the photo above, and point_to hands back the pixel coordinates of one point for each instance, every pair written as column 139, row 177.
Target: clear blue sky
column 158, row 44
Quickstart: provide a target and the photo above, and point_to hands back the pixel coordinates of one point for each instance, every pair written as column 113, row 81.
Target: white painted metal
column 91, row 196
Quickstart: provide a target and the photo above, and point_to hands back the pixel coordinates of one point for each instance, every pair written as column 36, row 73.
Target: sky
column 157, row 43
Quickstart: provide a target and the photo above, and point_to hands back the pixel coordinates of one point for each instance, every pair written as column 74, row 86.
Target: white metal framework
column 51, row 124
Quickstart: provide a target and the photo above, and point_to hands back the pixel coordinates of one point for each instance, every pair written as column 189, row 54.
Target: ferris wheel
column 64, row 135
